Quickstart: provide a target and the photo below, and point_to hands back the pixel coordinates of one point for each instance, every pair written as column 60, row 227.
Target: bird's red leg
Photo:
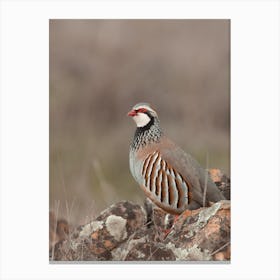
column 182, row 216
column 167, row 231
column 175, row 219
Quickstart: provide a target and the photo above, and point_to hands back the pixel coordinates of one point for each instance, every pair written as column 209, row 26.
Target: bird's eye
column 142, row 110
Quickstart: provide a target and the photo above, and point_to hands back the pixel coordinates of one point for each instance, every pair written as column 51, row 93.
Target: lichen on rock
column 89, row 228
column 116, row 226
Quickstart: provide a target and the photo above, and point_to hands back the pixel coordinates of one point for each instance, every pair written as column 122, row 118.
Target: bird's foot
column 178, row 221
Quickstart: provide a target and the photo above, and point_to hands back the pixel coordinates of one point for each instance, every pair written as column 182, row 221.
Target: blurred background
column 99, row 69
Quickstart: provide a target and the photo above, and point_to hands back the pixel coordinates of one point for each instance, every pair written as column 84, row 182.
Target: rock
column 200, row 233
column 98, row 238
column 221, row 181
column 143, row 245
column 222, row 255
column 152, row 251
column 123, row 233
column 75, row 249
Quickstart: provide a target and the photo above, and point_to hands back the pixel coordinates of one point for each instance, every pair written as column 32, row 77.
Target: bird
column 171, row 178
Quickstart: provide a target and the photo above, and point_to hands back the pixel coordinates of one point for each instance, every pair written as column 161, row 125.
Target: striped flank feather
column 163, row 182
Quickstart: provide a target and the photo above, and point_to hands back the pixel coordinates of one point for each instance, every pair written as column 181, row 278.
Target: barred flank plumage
column 164, row 182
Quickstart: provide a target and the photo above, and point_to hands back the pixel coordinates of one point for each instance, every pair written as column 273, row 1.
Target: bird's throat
column 147, row 134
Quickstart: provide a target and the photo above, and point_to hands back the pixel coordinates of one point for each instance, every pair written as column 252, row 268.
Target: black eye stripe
column 149, row 114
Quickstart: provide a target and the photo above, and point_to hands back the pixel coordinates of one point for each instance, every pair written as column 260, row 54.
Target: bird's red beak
column 132, row 113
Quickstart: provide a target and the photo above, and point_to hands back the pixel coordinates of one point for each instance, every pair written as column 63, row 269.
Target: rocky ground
column 129, row 232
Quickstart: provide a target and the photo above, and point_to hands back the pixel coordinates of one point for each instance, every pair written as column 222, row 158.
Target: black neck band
column 141, row 130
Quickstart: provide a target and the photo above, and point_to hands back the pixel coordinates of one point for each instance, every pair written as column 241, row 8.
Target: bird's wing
column 191, row 171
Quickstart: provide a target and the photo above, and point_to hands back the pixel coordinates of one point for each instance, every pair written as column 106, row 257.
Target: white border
column 255, row 137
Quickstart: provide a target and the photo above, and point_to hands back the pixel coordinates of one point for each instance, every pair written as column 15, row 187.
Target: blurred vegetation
column 99, row 69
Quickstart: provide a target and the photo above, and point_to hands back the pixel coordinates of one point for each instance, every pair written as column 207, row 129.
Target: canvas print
column 139, row 140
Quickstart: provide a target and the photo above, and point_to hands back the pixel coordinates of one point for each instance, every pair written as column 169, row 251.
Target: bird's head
column 142, row 114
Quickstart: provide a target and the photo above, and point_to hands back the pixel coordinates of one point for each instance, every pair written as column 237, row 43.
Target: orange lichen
column 108, row 244
column 97, row 250
column 216, row 175
column 95, row 235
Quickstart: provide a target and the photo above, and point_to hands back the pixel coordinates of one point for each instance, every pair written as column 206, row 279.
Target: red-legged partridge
column 171, row 178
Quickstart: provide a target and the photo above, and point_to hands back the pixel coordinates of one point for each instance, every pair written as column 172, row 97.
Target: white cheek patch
column 141, row 119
